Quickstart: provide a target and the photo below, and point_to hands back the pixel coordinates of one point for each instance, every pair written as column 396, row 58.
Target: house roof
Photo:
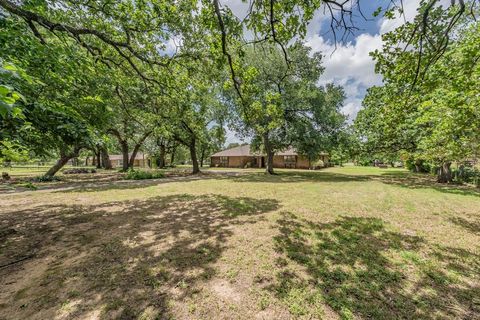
column 244, row 151
column 240, row 151
column 139, row 156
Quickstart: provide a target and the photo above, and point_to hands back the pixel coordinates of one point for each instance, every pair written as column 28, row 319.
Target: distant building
column 243, row 157
column 141, row 160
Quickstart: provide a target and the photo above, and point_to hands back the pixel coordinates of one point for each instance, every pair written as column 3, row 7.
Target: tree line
column 126, row 75
column 429, row 119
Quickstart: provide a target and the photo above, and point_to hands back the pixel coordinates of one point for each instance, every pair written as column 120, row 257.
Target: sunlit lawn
column 348, row 242
column 25, row 171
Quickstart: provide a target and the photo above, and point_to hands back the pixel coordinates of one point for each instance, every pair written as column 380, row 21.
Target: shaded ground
column 124, row 258
column 361, row 269
column 357, row 243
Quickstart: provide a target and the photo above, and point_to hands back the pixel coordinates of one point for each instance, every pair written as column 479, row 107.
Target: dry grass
column 340, row 243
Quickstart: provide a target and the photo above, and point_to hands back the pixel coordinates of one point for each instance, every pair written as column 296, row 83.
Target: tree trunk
column 418, row 166
column 99, row 159
column 161, row 159
column 445, row 173
column 133, row 155
column 136, row 148
column 124, row 147
column 193, row 155
column 61, row 162
column 202, row 157
column 57, row 166
column 269, row 152
column 107, row 164
column 172, row 157
column 86, row 161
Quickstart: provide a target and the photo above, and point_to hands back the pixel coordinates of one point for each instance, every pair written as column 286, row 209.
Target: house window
column 224, row 161
column 289, row 161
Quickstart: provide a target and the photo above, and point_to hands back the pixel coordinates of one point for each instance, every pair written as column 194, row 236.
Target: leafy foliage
column 138, row 70
column 9, row 97
column 437, row 120
column 45, row 178
column 143, row 175
column 282, row 105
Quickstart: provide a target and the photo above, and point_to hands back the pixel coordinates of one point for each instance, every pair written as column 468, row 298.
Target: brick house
column 141, row 160
column 243, row 157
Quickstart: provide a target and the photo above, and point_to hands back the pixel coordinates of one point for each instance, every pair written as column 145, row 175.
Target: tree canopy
column 429, row 117
column 77, row 74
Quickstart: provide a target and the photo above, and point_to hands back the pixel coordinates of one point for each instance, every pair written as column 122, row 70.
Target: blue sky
column 370, row 25
column 349, row 65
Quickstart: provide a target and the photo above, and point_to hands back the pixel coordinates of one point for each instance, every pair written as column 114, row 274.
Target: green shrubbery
column 29, row 185
column 45, row 179
column 142, row 175
column 466, row 175
column 319, row 164
column 462, row 174
column 79, row 171
column 420, row 166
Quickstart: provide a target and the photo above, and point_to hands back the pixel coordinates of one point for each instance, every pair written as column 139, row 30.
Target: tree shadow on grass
column 119, row 260
column 300, row 176
column 425, row 181
column 119, row 184
column 398, row 178
column 402, row 179
column 472, row 226
column 282, row 177
column 362, row 270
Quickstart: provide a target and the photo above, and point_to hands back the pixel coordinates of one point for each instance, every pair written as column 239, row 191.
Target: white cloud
column 232, row 136
column 352, row 107
column 409, row 10
column 172, row 45
column 349, row 61
column 350, row 66
column 239, row 8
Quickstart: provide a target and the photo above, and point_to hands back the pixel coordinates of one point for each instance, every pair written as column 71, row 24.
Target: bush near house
column 143, row 175
column 79, row 170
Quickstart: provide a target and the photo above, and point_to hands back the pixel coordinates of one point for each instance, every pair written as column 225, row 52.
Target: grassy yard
column 32, row 170
column 25, row 171
column 341, row 243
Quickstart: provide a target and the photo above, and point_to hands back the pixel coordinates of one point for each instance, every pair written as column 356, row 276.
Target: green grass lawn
column 25, row 171
column 341, row 243
column 29, row 171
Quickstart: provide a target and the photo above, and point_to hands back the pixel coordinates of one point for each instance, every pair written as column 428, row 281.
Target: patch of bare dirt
column 129, row 259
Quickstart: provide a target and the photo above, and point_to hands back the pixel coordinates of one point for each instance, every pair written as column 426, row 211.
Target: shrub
column 318, row 164
column 79, row 170
column 142, row 175
column 29, row 185
column 45, row 179
column 364, row 163
column 466, row 175
column 421, row 166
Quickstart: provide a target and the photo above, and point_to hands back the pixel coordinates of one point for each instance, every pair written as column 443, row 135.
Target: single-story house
column 141, row 160
column 243, row 157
